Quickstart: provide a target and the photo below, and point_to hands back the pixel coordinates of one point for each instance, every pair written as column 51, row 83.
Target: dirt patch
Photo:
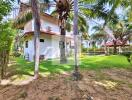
column 112, row 84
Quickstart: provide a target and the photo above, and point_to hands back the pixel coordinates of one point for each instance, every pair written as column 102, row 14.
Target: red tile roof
column 118, row 43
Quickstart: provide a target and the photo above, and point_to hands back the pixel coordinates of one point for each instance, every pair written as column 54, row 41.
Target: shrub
column 16, row 54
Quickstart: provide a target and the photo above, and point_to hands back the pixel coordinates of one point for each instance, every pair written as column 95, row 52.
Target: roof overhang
column 26, row 34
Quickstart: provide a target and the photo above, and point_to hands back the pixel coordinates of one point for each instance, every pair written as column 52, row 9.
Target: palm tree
column 121, row 32
column 36, row 16
column 100, row 35
column 76, row 73
column 62, row 8
column 65, row 16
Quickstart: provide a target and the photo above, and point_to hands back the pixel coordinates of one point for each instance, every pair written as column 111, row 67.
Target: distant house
column 92, row 43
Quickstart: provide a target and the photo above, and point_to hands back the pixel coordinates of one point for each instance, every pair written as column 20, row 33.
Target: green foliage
column 5, row 8
column 87, row 62
column 84, row 50
column 16, row 54
column 6, row 37
column 26, row 15
column 128, row 55
column 22, row 19
column 7, row 34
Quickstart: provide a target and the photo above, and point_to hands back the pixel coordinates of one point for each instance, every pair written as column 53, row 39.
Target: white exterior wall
column 50, row 47
column 44, row 25
column 29, row 26
column 30, row 50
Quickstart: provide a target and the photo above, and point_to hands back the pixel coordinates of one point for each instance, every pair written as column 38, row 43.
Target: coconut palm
column 76, row 73
column 122, row 32
column 63, row 9
column 65, row 16
column 33, row 4
column 100, row 35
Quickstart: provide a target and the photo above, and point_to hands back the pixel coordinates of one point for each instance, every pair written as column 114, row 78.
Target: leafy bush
column 16, row 54
column 128, row 56
column 84, row 50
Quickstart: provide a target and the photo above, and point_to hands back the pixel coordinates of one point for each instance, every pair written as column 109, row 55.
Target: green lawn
column 87, row 62
column 100, row 62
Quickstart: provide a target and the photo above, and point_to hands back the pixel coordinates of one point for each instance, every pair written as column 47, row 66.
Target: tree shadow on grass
column 51, row 68
column 23, row 67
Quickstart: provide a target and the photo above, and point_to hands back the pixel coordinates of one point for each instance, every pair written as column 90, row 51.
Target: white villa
column 49, row 38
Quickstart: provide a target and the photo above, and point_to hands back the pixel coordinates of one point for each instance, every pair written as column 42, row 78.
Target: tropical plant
column 65, row 15
column 101, row 36
column 76, row 73
column 6, row 39
column 6, row 36
column 121, row 32
column 36, row 16
column 63, row 9
column 5, row 8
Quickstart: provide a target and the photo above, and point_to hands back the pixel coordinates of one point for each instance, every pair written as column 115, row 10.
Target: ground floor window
column 41, row 40
column 26, row 44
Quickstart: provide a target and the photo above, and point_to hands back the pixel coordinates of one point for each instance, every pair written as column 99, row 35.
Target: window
column 41, row 40
column 26, row 44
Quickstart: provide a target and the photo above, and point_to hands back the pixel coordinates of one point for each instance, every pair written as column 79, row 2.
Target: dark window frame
column 41, row 40
column 26, row 44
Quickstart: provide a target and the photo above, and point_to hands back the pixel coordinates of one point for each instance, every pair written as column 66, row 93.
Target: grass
column 87, row 62
column 101, row 62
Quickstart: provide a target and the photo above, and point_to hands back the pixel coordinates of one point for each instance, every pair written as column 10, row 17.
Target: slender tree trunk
column 115, row 47
column 36, row 18
column 2, row 64
column 105, row 48
column 63, row 58
column 75, row 29
column 76, row 74
column 7, row 61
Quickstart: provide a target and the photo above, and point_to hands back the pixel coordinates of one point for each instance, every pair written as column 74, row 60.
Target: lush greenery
column 87, row 62
column 6, row 35
column 6, row 39
column 5, row 8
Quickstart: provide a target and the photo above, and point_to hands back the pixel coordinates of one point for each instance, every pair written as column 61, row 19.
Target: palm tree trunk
column 75, row 32
column 2, row 64
column 105, row 48
column 76, row 74
column 115, row 47
column 36, row 18
column 63, row 46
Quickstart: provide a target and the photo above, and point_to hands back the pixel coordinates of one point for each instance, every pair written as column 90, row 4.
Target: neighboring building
column 92, row 43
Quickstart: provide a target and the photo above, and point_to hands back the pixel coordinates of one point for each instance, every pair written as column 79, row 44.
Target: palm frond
column 22, row 19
